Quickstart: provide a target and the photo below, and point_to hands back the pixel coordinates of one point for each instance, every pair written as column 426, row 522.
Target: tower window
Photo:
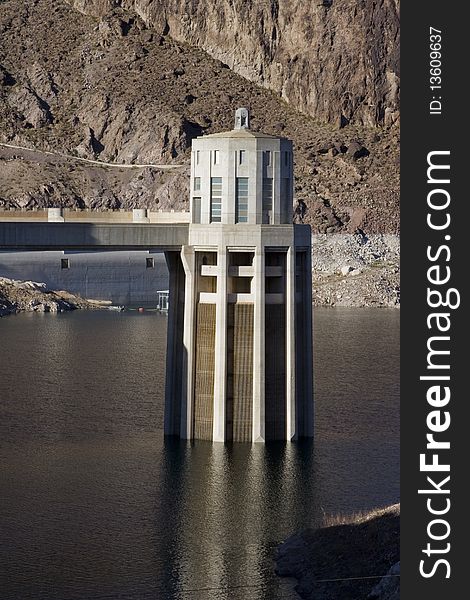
column 216, row 157
column 286, row 199
column 65, row 263
column 150, row 263
column 267, row 158
column 196, row 209
column 242, row 157
column 267, row 199
column 286, row 158
column 216, row 199
column 197, row 156
column 241, row 200
column 197, row 184
column 287, row 189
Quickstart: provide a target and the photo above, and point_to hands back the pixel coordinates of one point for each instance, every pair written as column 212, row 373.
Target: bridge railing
column 68, row 215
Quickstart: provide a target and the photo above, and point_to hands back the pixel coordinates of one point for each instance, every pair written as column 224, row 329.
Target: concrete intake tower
column 239, row 350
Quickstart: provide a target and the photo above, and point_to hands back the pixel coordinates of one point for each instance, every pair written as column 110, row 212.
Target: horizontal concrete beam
column 91, row 236
column 209, row 270
column 234, row 298
column 275, row 298
column 273, row 271
column 241, row 271
column 207, row 298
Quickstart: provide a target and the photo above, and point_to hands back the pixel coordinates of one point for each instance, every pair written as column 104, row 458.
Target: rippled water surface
column 94, row 504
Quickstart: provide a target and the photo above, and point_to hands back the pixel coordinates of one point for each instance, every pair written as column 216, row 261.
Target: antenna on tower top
column 242, row 118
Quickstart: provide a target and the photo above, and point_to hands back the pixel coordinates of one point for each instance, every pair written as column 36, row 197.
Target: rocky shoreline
column 356, row 270
column 356, row 558
column 31, row 296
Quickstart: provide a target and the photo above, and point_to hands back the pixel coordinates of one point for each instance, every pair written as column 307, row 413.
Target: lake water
column 95, row 504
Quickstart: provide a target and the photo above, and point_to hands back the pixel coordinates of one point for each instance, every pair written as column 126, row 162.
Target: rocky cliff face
column 336, row 60
column 115, row 85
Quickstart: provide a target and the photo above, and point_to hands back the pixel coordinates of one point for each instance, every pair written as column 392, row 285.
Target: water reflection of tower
column 229, row 507
column 239, row 361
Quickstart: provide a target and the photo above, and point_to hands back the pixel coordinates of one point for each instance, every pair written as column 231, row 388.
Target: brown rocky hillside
column 134, row 82
column 332, row 59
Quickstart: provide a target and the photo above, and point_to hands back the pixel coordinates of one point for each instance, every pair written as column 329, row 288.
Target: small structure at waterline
column 162, row 300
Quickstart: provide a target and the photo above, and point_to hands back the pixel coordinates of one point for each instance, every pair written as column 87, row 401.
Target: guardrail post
column 55, row 215
column 139, row 215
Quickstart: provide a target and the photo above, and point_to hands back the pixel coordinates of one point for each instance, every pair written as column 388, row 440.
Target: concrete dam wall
column 123, row 277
